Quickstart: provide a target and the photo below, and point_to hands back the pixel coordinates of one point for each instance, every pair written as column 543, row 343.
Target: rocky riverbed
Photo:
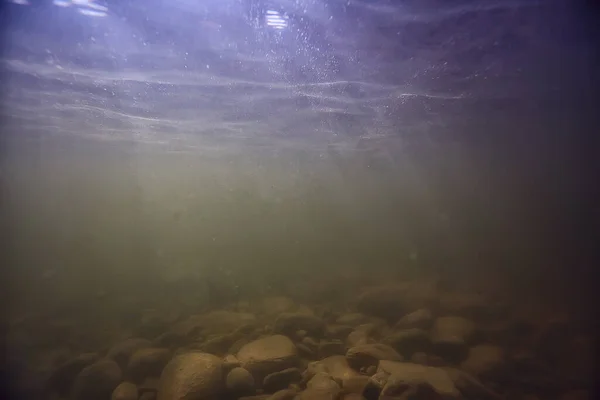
column 409, row 339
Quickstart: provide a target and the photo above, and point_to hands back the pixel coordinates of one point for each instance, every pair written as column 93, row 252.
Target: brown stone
column 269, row 354
column 192, row 375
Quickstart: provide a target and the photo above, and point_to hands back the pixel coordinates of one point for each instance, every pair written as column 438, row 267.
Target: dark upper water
column 150, row 148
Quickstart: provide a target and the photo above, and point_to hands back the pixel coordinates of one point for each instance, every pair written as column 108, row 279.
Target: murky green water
column 322, row 201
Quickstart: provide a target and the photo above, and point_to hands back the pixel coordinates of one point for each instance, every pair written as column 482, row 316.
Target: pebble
column 281, row 379
column 125, row 391
column 239, row 382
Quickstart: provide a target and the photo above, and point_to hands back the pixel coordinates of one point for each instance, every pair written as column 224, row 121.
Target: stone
column 371, row 370
column 336, row 331
column 304, row 309
column 352, row 319
column 421, row 294
column 485, row 361
column 366, row 334
column 169, row 340
column 149, row 385
column 121, row 352
column 324, row 382
column 383, row 301
column 420, row 319
column 305, row 351
column 328, row 348
column 214, row 323
column 365, row 355
column 239, row 382
column 219, row 344
column 125, row 391
column 376, row 328
column 154, row 321
column 192, row 375
column 375, row 385
column 148, row 362
column 409, row 341
column 238, row 344
column 289, row 323
column 282, row 379
column 352, row 396
column 273, row 306
column 224, row 322
column 415, row 388
column 97, row 381
column 403, row 375
column 319, row 394
column 390, row 301
column 450, row 337
column 506, row 333
column 230, row 362
column 338, row 368
column 310, row 342
column 420, row 358
column 313, row 368
column 148, row 396
column 267, row 355
column 285, row 394
column 358, row 338
column 188, row 329
column 436, row 361
column 355, row 384
column 61, row 379
column 465, row 304
column 148, row 388
column 452, row 326
column 470, row 386
column 301, row 334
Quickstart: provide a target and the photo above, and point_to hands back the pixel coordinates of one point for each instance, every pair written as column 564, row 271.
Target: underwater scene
column 298, row 199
